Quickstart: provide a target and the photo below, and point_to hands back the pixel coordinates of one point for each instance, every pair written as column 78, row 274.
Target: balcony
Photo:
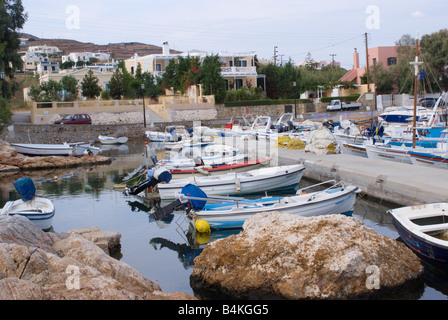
column 238, row 71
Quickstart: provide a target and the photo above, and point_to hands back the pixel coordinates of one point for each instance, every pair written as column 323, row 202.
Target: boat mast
column 416, row 64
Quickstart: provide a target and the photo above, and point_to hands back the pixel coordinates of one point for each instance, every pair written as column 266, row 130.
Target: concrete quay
column 399, row 183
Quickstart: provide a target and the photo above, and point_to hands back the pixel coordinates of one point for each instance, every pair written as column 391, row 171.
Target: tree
column 435, row 57
column 51, row 90
column 35, row 92
column 89, row 86
column 12, row 20
column 211, row 79
column 116, row 85
column 71, row 87
column 5, row 114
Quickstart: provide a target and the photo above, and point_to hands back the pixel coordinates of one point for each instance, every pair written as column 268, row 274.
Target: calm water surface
column 162, row 251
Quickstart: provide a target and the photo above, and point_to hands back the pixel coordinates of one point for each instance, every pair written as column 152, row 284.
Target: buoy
column 202, row 226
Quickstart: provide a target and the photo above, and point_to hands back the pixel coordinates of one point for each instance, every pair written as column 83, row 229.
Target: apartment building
column 237, row 69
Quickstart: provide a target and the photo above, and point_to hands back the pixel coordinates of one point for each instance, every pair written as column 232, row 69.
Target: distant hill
column 123, row 50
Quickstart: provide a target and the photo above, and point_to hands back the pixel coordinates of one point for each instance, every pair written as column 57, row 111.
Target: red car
column 75, row 119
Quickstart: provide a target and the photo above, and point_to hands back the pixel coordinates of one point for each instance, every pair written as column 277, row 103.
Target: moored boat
column 38, row 210
column 112, row 140
column 254, row 181
column 43, row 149
column 231, row 212
column 423, row 228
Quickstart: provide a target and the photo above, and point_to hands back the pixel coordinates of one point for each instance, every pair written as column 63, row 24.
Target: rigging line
column 432, row 74
column 337, row 43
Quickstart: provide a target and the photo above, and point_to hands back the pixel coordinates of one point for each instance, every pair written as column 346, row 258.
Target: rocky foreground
column 35, row 265
column 285, row 256
column 12, row 161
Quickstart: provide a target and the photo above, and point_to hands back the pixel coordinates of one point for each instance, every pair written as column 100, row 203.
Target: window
column 241, row 63
column 158, row 67
column 230, row 63
column 391, row 61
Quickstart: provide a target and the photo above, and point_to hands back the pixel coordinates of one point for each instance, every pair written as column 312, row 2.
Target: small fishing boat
column 355, row 149
column 424, row 229
column 232, row 212
column 267, row 179
column 388, row 152
column 112, row 140
column 43, row 149
column 171, row 133
column 84, row 148
column 38, row 210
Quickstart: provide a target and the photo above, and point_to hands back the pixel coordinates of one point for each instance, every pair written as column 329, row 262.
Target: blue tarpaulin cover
column 26, row 188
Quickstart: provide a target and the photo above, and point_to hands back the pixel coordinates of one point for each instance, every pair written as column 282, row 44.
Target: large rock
column 280, row 255
column 59, row 266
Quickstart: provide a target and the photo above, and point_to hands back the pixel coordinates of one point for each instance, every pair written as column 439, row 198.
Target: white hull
column 112, row 140
column 40, row 211
column 429, row 160
column 43, row 149
column 396, row 154
column 338, row 201
column 254, row 181
column 354, row 149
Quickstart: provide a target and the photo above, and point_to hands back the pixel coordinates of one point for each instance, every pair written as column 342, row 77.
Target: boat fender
column 202, row 226
column 237, row 183
column 202, row 171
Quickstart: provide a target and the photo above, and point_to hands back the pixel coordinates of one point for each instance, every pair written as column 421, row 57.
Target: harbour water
column 162, row 251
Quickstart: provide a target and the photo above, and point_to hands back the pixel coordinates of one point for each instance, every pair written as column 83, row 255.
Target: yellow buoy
column 202, row 226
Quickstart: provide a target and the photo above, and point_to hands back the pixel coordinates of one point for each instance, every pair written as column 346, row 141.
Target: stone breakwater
column 285, row 256
column 11, row 161
column 35, row 265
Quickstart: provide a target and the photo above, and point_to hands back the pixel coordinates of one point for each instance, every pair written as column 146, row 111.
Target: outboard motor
column 155, row 176
column 26, row 188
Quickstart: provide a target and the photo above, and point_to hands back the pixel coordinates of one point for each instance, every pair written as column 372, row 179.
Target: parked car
column 82, row 118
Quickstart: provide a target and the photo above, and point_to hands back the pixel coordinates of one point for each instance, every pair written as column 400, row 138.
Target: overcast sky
column 295, row 27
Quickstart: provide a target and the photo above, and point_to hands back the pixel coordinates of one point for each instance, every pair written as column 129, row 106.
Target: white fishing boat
column 38, row 210
column 171, row 133
column 43, row 149
column 112, row 140
column 388, row 152
column 232, row 212
column 424, row 228
column 267, row 179
column 354, row 149
column 81, row 149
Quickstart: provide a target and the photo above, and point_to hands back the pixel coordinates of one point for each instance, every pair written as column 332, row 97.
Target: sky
column 326, row 29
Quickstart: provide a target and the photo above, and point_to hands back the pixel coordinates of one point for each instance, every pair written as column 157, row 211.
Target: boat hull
column 420, row 242
column 389, row 154
column 255, row 181
column 40, row 211
column 354, row 149
column 428, row 160
column 42, row 149
column 112, row 140
column 340, row 202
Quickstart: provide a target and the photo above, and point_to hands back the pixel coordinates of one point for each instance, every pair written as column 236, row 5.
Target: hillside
column 124, row 50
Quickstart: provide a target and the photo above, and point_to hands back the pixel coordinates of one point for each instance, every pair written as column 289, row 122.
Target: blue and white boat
column 232, row 212
column 267, row 179
column 38, row 210
column 423, row 228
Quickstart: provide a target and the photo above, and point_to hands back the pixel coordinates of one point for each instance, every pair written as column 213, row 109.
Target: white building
column 44, row 49
column 85, row 56
column 46, row 66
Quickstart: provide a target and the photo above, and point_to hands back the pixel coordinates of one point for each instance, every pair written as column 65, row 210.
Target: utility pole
column 332, row 58
column 275, row 55
column 367, row 65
